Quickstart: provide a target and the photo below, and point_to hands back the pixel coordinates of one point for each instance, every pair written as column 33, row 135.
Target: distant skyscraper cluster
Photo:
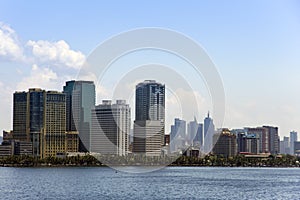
column 223, row 141
column 290, row 145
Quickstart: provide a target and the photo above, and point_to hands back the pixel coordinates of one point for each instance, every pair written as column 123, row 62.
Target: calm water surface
column 169, row 183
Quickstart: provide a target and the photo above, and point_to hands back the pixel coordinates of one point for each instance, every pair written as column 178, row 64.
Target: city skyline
column 56, row 123
column 76, row 85
column 256, row 54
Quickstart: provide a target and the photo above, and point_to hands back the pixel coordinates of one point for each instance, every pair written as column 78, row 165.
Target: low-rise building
column 6, row 149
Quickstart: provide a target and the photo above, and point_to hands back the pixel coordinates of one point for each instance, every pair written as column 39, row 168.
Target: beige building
column 53, row 136
column 72, row 141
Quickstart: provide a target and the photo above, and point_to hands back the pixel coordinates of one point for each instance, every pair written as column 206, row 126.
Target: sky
column 255, row 46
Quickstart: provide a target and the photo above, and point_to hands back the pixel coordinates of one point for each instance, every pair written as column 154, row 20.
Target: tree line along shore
column 206, row 161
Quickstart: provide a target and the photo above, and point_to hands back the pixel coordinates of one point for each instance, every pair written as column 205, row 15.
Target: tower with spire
column 209, row 130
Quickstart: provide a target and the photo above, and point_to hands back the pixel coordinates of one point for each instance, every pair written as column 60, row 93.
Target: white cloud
column 9, row 45
column 39, row 78
column 57, row 53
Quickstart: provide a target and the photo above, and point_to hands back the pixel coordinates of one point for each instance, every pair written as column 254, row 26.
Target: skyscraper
column 150, row 101
column 285, row 145
column 198, row 140
column 110, row 128
column 177, row 135
column 192, row 129
column 28, row 117
column 293, row 139
column 20, row 116
column 263, row 135
column 195, row 133
column 225, row 143
column 40, row 118
column 149, row 122
column 36, row 108
column 246, row 143
column 53, row 135
column 80, row 99
column 273, row 139
column 209, row 130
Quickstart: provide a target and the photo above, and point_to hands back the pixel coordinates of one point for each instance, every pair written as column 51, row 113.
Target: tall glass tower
column 150, row 101
column 149, row 122
column 80, row 99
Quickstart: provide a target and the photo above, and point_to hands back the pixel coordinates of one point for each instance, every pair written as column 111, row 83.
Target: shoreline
column 284, row 161
column 105, row 166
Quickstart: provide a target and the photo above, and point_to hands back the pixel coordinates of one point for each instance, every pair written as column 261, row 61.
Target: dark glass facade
column 80, row 99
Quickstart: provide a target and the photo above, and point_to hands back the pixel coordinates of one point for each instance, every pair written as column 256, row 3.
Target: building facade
column 293, row 139
column 72, row 141
column 39, row 118
column 178, row 135
column 20, row 116
column 147, row 137
column 273, row 139
column 54, row 127
column 80, row 99
column 263, row 137
column 225, row 143
column 285, row 145
column 149, row 124
column 110, row 128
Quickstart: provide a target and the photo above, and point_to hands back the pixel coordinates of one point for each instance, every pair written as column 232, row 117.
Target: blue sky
column 254, row 44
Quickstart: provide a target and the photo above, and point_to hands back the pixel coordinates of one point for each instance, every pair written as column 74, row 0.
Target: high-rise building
column 80, row 99
column 263, row 135
column 40, row 118
column 293, row 139
column 273, row 139
column 20, row 116
column 28, row 118
column 178, row 135
column 297, row 149
column 110, row 128
column 53, row 135
column 246, row 143
column 150, row 101
column 192, row 129
column 285, row 145
column 225, row 143
column 195, row 133
column 149, row 125
column 209, row 131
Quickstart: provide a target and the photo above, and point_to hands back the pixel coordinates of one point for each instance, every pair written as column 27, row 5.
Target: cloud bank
column 10, row 49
